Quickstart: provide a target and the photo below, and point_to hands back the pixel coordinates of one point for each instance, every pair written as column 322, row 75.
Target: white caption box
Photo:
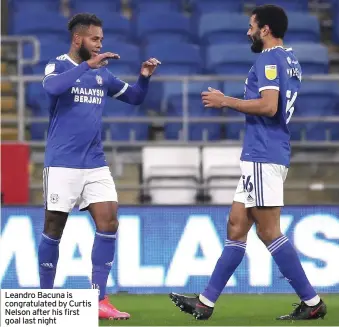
column 53, row 308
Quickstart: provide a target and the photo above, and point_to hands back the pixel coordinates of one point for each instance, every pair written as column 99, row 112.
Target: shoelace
column 297, row 309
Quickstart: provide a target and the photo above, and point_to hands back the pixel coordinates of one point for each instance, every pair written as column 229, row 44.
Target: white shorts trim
column 66, row 187
column 261, row 184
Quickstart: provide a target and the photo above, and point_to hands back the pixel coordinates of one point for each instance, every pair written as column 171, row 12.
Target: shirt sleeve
column 58, row 80
column 116, row 87
column 267, row 71
column 53, row 68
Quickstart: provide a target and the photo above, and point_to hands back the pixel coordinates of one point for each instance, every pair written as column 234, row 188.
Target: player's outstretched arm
column 267, row 105
column 57, row 84
column 136, row 93
column 60, row 83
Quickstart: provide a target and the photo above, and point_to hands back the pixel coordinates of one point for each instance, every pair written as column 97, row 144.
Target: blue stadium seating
column 290, row 5
column 98, row 7
column 33, row 6
column 34, row 92
column 115, row 25
column 110, row 40
column 302, row 28
column 51, row 46
column 48, row 51
column 163, row 27
column 313, row 57
column 197, row 131
column 35, row 95
column 335, row 17
column 156, row 5
column 116, row 28
column 39, row 130
column 234, row 59
column 38, row 101
column 222, row 28
column 176, row 88
column 18, row 10
column 234, row 130
column 203, row 6
column 129, row 62
column 178, row 58
column 169, row 36
column 33, row 24
column 154, row 97
column 125, row 131
column 316, row 99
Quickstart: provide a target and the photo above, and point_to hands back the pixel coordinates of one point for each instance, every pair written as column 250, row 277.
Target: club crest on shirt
column 54, row 198
column 99, row 80
column 271, row 72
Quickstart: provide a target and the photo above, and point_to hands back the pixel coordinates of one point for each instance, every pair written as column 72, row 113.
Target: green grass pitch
column 231, row 310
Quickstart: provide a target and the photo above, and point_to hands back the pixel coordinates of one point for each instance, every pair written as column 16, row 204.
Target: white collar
column 72, row 61
column 276, row 47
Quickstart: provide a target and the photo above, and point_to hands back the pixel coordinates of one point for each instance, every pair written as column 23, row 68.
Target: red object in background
column 15, row 173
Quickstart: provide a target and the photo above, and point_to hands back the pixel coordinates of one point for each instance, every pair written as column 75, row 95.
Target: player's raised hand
column 148, row 67
column 213, row 98
column 211, row 89
column 101, row 59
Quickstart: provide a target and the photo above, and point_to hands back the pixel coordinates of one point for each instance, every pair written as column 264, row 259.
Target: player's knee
column 54, row 224
column 108, row 223
column 54, row 232
column 236, row 230
column 267, row 234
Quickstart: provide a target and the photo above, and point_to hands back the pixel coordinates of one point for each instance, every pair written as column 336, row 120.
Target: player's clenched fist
column 101, row 59
column 148, row 67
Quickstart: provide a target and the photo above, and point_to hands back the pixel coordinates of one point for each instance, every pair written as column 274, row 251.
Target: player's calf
column 102, row 260
column 104, row 215
column 285, row 256
column 48, row 251
column 192, row 305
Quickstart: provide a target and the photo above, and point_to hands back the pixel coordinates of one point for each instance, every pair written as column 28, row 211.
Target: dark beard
column 257, row 44
column 83, row 53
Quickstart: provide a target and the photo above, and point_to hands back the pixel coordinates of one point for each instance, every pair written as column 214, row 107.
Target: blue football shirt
column 267, row 139
column 74, row 132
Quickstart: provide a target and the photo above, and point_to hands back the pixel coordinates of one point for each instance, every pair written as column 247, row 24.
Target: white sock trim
column 107, row 235
column 206, row 301
column 312, row 302
column 51, row 239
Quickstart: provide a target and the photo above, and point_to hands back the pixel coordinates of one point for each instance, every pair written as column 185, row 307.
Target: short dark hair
column 274, row 17
column 81, row 20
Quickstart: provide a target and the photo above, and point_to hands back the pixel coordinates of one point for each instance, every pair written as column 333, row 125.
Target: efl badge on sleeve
column 271, row 72
column 49, row 69
column 99, row 80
